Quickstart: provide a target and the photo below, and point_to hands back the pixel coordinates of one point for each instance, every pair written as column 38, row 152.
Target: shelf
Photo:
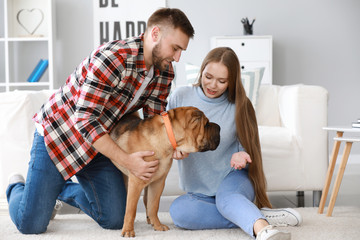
column 25, row 84
column 2, row 63
column 28, row 39
column 27, row 15
column 2, row 19
column 23, row 58
column 25, row 39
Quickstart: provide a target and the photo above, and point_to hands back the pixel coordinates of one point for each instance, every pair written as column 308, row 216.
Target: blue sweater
column 203, row 172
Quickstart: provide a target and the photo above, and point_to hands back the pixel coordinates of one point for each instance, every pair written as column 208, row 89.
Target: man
column 72, row 127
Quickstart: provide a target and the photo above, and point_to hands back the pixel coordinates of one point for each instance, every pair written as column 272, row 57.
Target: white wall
column 74, row 36
column 315, row 42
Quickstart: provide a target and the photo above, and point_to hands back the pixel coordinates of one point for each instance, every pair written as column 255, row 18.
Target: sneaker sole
column 281, row 236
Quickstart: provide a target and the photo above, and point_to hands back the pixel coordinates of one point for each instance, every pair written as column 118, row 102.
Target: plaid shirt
column 95, row 96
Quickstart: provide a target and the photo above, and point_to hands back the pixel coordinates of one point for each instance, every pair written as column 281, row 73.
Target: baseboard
column 354, row 159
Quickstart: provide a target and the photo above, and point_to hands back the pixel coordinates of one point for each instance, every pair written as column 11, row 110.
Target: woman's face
column 214, row 79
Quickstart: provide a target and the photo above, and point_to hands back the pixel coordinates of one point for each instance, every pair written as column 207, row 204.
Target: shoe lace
column 279, row 218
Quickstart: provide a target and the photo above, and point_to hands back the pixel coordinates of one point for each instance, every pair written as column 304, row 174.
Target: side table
column 337, row 141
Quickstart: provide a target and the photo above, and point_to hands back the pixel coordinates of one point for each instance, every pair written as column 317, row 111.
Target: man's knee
column 111, row 223
column 31, row 228
column 112, row 219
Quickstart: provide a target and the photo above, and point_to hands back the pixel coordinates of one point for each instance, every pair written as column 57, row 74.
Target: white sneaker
column 16, row 178
column 57, row 207
column 282, row 217
column 269, row 233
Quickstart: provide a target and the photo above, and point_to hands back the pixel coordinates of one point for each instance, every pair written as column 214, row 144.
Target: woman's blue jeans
column 100, row 193
column 232, row 207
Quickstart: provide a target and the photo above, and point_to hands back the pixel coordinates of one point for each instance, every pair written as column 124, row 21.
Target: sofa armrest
column 16, row 131
column 303, row 110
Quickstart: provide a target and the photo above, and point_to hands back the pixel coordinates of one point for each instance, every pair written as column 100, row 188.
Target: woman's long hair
column 245, row 118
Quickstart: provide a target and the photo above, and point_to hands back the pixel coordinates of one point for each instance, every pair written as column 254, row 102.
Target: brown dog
column 193, row 133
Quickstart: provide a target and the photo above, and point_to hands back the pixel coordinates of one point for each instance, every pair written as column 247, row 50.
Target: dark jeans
column 100, row 193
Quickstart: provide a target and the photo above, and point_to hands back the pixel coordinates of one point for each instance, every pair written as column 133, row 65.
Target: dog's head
column 193, row 131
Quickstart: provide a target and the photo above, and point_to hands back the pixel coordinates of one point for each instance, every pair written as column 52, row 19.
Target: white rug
column 343, row 225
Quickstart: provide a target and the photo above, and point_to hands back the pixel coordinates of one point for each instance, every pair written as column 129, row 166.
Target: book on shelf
column 38, row 70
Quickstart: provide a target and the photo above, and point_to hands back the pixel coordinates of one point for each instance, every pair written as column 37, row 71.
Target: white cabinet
column 26, row 37
column 252, row 51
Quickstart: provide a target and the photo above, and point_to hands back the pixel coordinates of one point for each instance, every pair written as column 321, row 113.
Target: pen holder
column 248, row 27
column 248, row 30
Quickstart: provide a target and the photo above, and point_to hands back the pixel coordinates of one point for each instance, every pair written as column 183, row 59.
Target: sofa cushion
column 281, row 156
column 172, row 183
column 192, row 73
column 251, row 80
column 267, row 108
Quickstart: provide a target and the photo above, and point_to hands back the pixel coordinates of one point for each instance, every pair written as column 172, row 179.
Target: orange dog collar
column 169, row 130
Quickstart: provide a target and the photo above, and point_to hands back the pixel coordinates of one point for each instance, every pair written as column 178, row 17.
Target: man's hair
column 171, row 17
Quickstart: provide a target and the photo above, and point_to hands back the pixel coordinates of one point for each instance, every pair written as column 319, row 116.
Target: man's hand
column 140, row 168
column 133, row 162
column 179, row 155
column 239, row 160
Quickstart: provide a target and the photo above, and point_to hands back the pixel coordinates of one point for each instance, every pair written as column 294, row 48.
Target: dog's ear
column 198, row 119
column 190, row 117
column 196, row 115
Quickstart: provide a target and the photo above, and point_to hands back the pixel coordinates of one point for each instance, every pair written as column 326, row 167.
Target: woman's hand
column 134, row 162
column 179, row 155
column 239, row 160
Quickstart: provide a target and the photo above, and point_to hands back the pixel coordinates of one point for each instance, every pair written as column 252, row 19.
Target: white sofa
column 290, row 119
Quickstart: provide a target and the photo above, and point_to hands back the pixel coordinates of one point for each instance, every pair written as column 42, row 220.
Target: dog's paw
column 148, row 220
column 161, row 227
column 128, row 233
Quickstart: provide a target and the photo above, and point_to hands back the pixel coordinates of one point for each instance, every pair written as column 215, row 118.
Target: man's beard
column 157, row 60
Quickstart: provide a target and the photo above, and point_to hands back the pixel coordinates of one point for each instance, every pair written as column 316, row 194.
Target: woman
column 226, row 187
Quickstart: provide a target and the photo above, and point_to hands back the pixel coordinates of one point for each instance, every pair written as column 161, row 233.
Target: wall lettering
column 105, row 3
column 120, row 19
column 112, row 30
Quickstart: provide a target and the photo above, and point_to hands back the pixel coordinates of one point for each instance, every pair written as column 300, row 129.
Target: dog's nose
column 212, row 137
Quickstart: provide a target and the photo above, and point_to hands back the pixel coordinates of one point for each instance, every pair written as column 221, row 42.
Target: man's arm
column 133, row 162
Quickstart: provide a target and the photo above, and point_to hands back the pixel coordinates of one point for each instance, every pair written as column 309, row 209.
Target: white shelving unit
column 253, row 52
column 21, row 51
